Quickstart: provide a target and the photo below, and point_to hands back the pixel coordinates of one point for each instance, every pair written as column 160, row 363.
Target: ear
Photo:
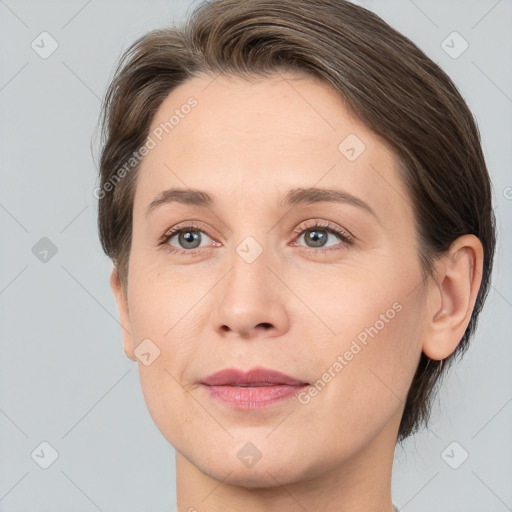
column 124, row 316
column 452, row 297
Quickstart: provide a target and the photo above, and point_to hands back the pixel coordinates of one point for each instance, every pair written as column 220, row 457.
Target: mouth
column 257, row 384
column 257, row 388
column 256, row 377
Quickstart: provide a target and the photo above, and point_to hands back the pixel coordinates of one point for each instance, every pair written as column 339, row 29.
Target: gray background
column 64, row 378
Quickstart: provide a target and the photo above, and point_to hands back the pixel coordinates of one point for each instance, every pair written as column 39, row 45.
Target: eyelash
column 346, row 238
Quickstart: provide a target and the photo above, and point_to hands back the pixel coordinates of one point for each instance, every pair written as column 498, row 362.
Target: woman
column 299, row 213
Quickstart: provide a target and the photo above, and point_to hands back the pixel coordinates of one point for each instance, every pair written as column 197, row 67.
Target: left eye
column 318, row 236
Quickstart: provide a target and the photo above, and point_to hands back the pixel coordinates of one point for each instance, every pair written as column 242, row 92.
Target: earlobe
column 124, row 314
column 452, row 297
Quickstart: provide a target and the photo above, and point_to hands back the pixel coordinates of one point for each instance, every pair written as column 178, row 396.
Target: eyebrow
column 293, row 197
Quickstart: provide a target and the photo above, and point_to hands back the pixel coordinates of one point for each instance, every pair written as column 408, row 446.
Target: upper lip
column 259, row 375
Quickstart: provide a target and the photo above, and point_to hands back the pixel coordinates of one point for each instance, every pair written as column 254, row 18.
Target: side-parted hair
column 382, row 77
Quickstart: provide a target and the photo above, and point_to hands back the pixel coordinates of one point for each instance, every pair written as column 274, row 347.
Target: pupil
column 190, row 237
column 316, row 236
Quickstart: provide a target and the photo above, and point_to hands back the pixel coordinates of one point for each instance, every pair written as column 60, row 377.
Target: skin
column 294, row 308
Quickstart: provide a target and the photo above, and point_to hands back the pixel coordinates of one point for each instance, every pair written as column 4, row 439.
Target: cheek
column 364, row 372
column 160, row 305
column 374, row 335
column 160, row 312
column 358, row 302
column 164, row 393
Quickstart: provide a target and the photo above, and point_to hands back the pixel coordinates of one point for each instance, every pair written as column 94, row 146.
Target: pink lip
column 253, row 389
column 259, row 375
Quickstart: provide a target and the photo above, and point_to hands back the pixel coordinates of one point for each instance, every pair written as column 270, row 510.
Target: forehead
column 284, row 109
column 265, row 135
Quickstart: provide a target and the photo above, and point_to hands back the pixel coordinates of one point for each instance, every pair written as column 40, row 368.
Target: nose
column 251, row 300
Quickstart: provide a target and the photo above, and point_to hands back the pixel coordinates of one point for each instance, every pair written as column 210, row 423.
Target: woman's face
column 248, row 282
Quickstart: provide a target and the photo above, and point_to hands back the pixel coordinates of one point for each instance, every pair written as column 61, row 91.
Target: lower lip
column 253, row 397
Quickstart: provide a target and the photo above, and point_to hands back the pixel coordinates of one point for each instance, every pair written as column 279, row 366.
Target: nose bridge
column 248, row 297
column 250, row 237
column 249, row 273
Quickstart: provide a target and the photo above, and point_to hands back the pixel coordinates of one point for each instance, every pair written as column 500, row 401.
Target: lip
column 257, row 388
column 258, row 375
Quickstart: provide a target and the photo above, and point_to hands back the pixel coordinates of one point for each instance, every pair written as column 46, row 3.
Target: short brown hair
column 382, row 77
